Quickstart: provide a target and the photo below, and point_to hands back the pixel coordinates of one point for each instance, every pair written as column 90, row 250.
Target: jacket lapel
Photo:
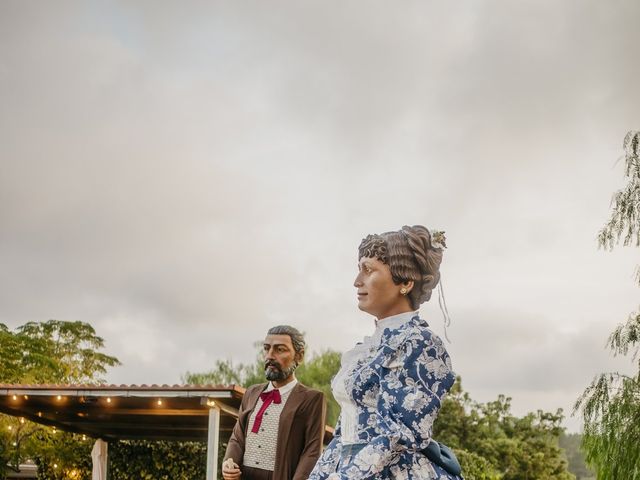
column 286, row 420
column 252, row 400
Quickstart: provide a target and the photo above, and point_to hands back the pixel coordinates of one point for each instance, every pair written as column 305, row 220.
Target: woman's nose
column 357, row 282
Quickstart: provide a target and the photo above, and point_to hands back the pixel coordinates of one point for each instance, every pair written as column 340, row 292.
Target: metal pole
column 213, row 435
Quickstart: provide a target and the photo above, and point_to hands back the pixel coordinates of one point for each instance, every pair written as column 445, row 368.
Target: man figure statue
column 278, row 435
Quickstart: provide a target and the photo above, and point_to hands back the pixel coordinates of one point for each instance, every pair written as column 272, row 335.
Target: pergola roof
column 151, row 412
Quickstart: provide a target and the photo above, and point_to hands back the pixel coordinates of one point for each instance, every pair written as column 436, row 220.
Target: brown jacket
column 300, row 431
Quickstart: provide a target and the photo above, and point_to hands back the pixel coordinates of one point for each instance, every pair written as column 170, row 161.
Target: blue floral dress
column 397, row 388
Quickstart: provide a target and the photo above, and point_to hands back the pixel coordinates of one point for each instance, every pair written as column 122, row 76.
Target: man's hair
column 297, row 339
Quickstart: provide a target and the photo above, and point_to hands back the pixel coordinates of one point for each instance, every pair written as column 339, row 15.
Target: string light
column 10, row 427
column 108, row 399
column 59, row 397
column 26, row 397
column 84, row 437
column 15, row 397
column 159, row 401
column 21, row 419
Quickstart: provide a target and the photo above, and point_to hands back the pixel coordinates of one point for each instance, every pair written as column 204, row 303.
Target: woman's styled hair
column 412, row 253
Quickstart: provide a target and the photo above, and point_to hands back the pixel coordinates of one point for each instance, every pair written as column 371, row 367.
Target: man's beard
column 278, row 373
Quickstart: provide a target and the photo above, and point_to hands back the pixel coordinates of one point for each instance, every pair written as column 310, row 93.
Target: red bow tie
column 267, row 399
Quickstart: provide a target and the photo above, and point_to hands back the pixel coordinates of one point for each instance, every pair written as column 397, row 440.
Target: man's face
column 279, row 357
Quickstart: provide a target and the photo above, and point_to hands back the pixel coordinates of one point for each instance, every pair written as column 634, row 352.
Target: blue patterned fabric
column 398, row 389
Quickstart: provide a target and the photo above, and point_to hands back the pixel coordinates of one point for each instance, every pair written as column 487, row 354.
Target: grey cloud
column 184, row 176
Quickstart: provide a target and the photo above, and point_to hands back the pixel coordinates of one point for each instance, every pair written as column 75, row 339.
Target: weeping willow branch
column 610, row 405
column 624, row 223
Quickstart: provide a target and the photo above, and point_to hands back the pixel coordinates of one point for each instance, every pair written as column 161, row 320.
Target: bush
column 474, row 467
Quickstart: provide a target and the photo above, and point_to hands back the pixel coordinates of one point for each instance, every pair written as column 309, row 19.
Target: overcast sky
column 185, row 175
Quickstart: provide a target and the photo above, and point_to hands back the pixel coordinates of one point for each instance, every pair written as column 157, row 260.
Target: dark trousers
column 249, row 473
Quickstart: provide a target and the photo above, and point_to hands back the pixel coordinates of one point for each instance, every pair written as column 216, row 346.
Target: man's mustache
column 270, row 363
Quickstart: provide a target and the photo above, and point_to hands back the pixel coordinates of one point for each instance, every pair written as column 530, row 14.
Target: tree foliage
column 142, row 460
column 571, row 444
column 315, row 372
column 61, row 455
column 225, row 372
column 67, row 456
column 610, row 405
column 52, row 352
column 624, row 223
column 494, row 444
column 47, row 352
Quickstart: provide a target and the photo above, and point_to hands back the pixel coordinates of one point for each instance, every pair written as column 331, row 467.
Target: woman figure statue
column 391, row 386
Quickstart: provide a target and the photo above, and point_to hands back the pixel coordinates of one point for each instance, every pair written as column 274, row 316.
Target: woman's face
column 377, row 294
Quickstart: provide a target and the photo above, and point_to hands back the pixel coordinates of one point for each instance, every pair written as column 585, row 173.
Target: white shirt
column 350, row 359
column 260, row 448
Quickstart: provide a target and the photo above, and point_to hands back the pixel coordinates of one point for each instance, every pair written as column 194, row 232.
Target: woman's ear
column 408, row 285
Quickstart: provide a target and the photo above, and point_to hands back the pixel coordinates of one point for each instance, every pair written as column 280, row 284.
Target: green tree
column 55, row 351
column 610, row 405
column 571, row 443
column 47, row 352
column 315, row 372
column 61, row 455
column 492, row 443
column 225, row 372
column 161, row 460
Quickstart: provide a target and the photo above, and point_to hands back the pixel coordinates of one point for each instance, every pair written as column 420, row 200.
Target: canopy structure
column 111, row 412
column 126, row 411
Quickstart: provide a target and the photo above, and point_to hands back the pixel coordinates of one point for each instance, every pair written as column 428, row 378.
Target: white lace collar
column 392, row 322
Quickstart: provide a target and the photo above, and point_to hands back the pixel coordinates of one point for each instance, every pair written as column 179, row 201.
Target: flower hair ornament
column 438, row 240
